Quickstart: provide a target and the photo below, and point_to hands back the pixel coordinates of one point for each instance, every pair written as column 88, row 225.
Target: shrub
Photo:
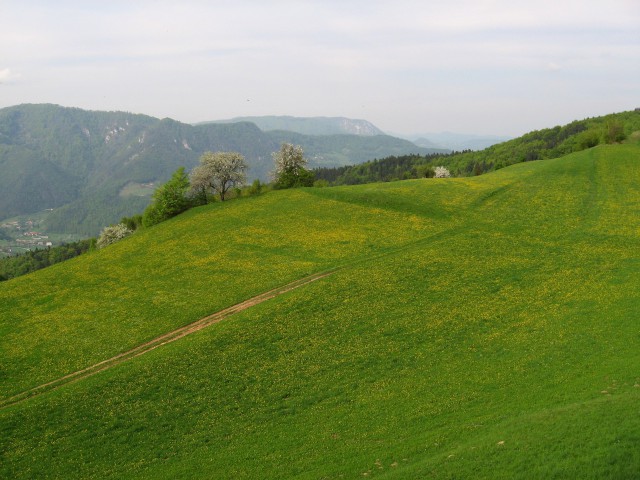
column 614, row 132
column 256, row 187
column 587, row 139
column 112, row 234
column 132, row 223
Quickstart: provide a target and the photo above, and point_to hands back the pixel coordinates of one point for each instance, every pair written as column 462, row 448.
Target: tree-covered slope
column 478, row 327
column 78, row 162
column 537, row 145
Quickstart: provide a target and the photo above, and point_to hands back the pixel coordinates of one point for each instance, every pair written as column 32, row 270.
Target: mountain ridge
column 308, row 125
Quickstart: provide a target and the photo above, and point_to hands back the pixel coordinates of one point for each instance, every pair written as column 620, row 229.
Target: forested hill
column 91, row 168
column 537, row 145
column 84, row 164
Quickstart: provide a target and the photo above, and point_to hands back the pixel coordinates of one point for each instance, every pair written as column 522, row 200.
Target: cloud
column 397, row 63
column 7, row 76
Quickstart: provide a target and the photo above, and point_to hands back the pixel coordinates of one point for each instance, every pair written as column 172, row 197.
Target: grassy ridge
column 482, row 328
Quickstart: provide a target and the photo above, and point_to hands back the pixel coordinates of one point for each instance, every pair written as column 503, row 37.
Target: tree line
column 536, row 145
column 220, row 174
column 30, row 261
column 387, row 169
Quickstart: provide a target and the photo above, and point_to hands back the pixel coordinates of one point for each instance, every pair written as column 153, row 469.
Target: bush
column 614, row 132
column 112, row 234
column 426, row 171
column 132, row 223
column 587, row 139
column 256, row 187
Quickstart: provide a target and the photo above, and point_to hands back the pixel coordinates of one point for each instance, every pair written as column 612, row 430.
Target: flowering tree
column 218, row 172
column 442, row 172
column 290, row 167
column 112, row 234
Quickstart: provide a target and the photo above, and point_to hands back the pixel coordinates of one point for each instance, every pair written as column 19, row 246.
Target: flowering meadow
column 482, row 327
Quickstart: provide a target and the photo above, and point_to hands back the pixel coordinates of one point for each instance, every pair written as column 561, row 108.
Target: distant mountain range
column 91, row 168
column 455, row 141
column 348, row 126
column 309, row 125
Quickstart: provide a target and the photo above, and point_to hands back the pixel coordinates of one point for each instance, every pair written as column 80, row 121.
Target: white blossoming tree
column 290, row 167
column 218, row 172
column 112, row 234
column 442, row 172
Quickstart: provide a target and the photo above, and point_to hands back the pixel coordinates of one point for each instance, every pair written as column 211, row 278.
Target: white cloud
column 8, row 76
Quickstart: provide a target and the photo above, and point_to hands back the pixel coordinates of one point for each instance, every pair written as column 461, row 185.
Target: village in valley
column 18, row 236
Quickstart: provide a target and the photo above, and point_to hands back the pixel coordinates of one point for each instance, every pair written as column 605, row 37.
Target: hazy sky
column 473, row 66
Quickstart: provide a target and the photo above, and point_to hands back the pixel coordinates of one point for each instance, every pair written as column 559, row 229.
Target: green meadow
column 483, row 327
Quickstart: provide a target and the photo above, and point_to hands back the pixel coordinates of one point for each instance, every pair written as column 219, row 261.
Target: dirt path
column 169, row 337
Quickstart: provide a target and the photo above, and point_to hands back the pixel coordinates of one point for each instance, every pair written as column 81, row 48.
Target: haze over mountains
column 455, row 141
column 310, row 125
column 92, row 167
column 348, row 126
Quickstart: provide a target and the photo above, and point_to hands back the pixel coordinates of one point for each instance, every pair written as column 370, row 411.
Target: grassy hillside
column 472, row 328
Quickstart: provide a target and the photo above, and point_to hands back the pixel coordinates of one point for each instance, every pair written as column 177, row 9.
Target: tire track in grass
column 193, row 327
column 164, row 339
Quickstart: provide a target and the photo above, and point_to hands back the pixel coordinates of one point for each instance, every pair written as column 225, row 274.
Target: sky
column 501, row 67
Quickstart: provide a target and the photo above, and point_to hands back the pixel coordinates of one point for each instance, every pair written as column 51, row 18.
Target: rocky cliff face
column 358, row 127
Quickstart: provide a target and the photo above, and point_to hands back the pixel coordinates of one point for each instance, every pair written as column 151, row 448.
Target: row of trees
column 385, row 170
column 219, row 173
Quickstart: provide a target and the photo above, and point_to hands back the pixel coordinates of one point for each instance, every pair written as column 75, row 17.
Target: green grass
column 479, row 328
